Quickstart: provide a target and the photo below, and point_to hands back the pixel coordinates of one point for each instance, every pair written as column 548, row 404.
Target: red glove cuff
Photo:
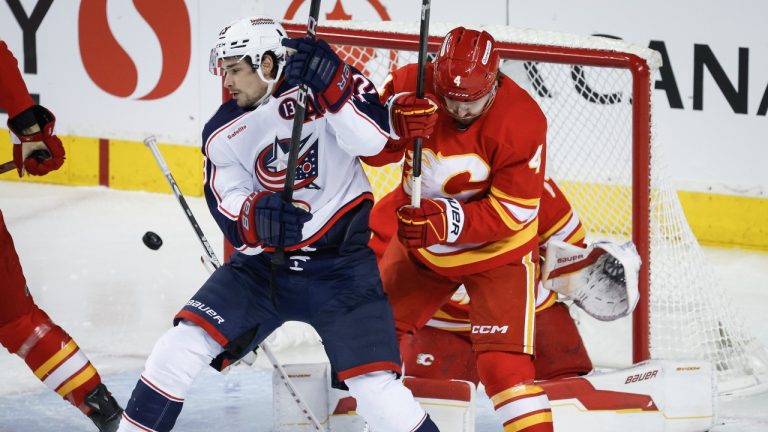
column 438, row 221
column 246, row 224
column 412, row 117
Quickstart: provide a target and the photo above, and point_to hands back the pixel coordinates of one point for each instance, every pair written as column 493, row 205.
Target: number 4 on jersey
column 535, row 162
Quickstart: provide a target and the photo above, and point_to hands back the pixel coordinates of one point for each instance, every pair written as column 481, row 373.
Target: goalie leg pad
column 560, row 352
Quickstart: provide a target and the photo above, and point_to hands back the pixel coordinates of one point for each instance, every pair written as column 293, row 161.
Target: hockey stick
column 151, row 142
column 39, row 154
column 423, row 42
column 278, row 258
column 4, row 168
column 214, row 263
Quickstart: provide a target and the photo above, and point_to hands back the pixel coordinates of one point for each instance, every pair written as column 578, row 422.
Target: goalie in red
column 25, row 329
column 442, row 349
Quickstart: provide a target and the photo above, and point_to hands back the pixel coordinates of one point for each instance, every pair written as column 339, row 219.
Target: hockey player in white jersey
column 331, row 279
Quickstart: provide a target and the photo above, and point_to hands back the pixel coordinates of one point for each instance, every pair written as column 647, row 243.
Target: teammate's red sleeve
column 14, row 96
column 557, row 218
column 396, row 82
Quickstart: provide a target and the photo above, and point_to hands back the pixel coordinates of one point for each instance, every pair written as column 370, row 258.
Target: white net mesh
column 589, row 110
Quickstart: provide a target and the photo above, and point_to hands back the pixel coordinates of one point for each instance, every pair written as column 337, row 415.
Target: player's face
column 467, row 112
column 244, row 84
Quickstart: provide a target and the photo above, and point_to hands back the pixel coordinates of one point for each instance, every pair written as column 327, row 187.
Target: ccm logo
column 486, row 329
column 641, row 377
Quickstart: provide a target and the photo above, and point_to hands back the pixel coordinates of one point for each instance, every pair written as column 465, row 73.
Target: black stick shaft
column 278, row 258
column 422, row 62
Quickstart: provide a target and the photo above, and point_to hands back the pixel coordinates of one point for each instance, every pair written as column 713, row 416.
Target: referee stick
column 423, row 42
column 214, row 262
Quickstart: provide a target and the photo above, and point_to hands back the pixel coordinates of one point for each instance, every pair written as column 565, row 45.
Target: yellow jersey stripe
column 55, row 359
column 77, row 380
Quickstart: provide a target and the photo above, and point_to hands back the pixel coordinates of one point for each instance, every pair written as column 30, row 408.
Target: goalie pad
column 601, row 279
column 450, row 403
column 655, row 395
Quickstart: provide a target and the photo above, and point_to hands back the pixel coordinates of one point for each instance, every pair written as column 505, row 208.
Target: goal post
column 640, row 63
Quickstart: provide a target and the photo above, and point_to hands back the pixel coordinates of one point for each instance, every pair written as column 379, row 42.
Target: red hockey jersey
column 495, row 168
column 14, row 97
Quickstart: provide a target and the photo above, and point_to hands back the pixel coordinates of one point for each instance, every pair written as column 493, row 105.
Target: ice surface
column 87, row 267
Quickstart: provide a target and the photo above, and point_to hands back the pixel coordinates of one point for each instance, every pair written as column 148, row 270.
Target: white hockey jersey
column 248, row 152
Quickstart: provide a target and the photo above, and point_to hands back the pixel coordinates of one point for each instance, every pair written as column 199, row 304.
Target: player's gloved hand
column 435, row 221
column 261, row 216
column 412, row 117
column 37, row 150
column 317, row 65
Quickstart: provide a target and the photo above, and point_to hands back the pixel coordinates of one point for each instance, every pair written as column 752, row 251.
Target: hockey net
column 596, row 94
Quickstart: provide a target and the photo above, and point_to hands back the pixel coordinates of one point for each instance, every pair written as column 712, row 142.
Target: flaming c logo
column 109, row 65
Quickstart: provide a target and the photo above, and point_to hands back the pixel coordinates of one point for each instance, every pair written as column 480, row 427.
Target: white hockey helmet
column 253, row 37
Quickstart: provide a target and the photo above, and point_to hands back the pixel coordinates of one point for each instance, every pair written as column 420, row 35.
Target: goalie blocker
column 650, row 396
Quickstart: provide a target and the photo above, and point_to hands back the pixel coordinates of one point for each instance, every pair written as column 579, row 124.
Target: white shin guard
column 178, row 357
column 385, row 403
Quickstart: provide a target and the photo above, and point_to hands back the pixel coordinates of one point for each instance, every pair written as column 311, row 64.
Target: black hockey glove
column 260, row 217
column 318, row 66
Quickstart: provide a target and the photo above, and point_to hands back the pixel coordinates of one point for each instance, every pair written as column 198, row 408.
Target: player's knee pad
column 384, row 402
column 438, row 354
column 499, row 370
column 22, row 333
column 178, row 357
column 560, row 352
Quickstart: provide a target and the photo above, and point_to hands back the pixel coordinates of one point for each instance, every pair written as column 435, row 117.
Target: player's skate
column 106, row 411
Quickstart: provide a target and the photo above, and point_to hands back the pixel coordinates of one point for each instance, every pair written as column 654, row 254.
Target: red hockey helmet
column 466, row 66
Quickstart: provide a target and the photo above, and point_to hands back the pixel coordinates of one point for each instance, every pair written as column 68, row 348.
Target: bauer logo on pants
column 207, row 309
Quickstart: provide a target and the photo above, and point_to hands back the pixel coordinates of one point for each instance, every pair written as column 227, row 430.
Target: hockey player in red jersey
column 483, row 165
column 442, row 348
column 25, row 329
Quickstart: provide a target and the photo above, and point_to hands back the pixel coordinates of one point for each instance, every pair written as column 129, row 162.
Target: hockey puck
column 152, row 240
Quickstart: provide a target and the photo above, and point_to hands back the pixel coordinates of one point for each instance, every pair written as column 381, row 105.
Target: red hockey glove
column 318, row 66
column 260, row 221
column 437, row 221
column 412, row 117
column 36, row 149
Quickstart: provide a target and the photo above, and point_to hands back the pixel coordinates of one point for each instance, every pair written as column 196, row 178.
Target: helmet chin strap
column 270, row 85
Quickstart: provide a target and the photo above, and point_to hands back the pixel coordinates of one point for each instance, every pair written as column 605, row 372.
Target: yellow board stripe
column 56, row 359
column 716, row 219
column 78, row 380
